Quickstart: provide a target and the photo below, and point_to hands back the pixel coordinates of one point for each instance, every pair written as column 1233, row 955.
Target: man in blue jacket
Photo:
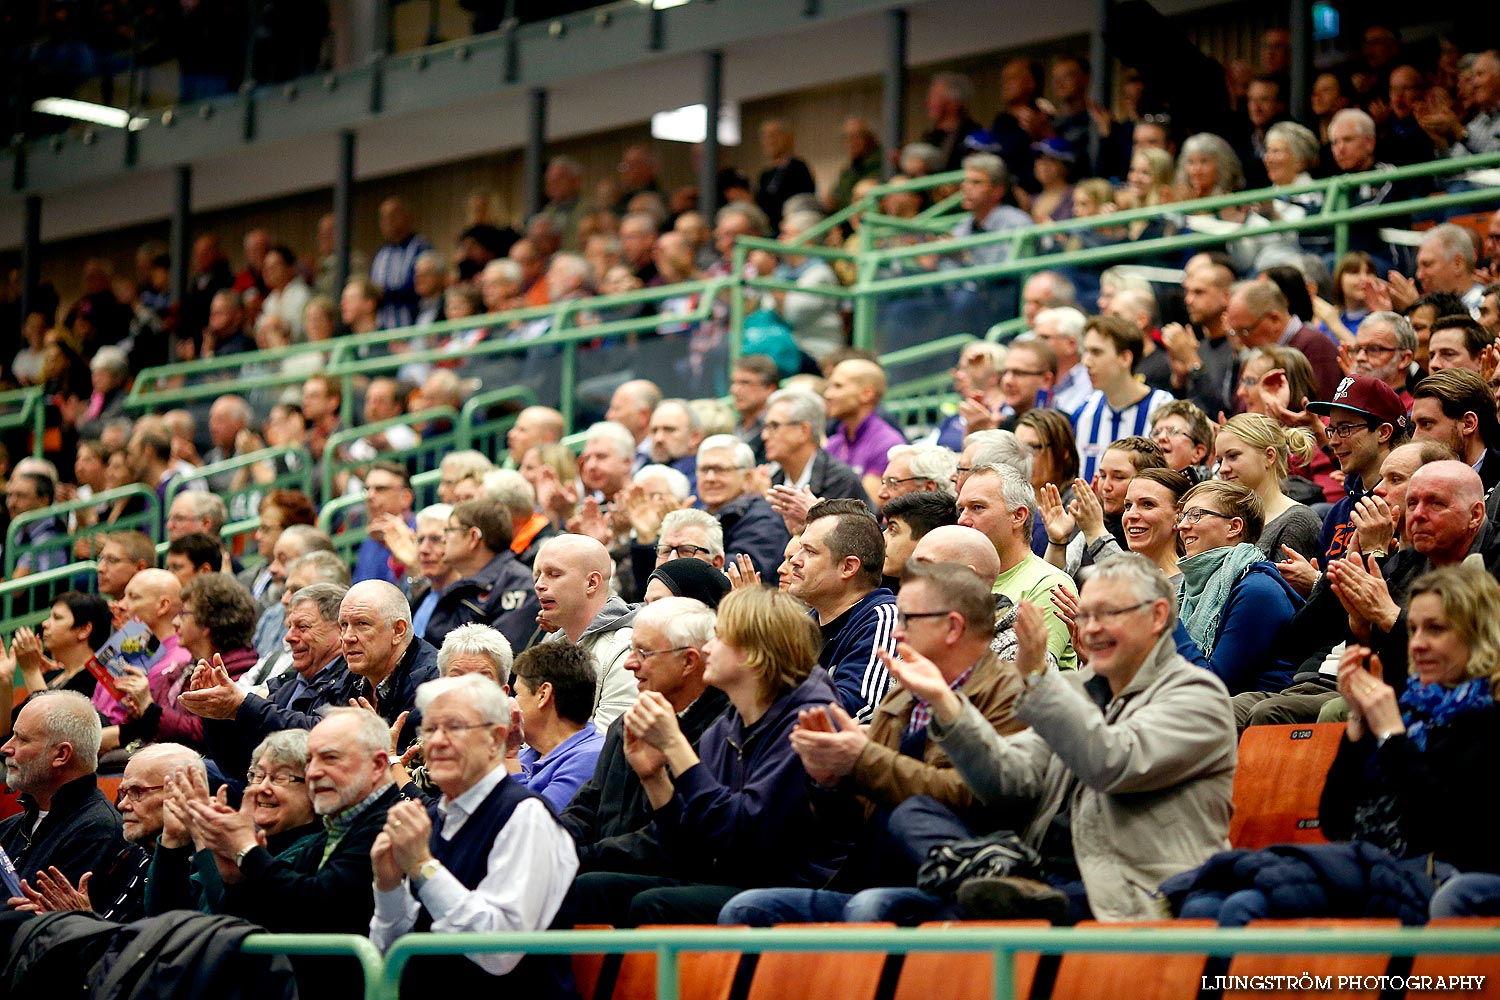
column 493, row 587
column 836, row 572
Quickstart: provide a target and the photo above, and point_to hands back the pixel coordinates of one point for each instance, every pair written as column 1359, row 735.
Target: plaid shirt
column 921, row 712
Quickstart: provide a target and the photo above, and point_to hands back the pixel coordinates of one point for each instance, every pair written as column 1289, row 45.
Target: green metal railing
column 243, row 503
column 571, row 327
column 147, row 521
column 427, row 452
column 358, row 948
column 383, row 978
column 477, row 430
column 25, row 409
column 1026, row 249
column 26, row 602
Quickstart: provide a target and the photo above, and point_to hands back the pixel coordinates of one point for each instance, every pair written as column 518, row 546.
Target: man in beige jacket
column 1138, row 749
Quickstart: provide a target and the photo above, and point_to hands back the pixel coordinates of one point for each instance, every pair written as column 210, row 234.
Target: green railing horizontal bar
column 1050, row 940
column 916, row 184
column 1206, row 205
column 1143, row 248
column 780, row 249
column 145, row 383
column 358, row 948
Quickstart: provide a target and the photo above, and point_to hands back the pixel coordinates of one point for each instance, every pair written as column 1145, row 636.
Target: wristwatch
column 429, row 868
column 239, row 857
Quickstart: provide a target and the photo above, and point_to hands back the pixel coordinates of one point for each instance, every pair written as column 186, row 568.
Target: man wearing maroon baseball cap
column 1366, row 419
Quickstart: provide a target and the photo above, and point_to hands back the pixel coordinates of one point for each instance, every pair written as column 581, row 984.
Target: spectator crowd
column 785, row 658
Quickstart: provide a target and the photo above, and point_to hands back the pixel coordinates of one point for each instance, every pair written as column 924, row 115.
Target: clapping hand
column 831, row 745
column 212, row 694
column 1086, row 509
column 54, row 893
column 1374, row 524
column 1060, row 524
column 922, row 678
column 1298, row 571
column 742, row 573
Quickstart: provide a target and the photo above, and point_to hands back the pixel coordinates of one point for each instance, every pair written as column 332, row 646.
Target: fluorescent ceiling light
column 690, row 124
column 661, row 4
column 84, row 111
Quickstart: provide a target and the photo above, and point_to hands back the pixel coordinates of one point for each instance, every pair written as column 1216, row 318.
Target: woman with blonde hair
column 1150, row 182
column 1405, row 802
column 735, row 808
column 1278, row 382
column 1255, row 451
column 1233, row 603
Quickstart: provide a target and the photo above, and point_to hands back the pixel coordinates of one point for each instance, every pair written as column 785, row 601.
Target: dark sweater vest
column 466, row 856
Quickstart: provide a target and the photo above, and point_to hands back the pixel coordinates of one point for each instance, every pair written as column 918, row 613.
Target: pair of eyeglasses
column 128, row 792
column 681, row 551
column 904, row 617
column 254, row 777
column 646, row 654
column 891, row 482
column 1343, row 431
column 428, row 730
column 1194, row 515
column 1086, row 618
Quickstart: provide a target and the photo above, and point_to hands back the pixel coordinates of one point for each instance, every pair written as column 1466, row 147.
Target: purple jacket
column 558, row 776
column 866, row 452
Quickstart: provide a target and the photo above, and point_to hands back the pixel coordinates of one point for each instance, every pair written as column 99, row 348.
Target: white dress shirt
column 531, row 866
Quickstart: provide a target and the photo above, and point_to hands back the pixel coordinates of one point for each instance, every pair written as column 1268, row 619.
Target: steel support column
column 343, row 209
column 893, row 86
column 708, row 166
column 536, row 150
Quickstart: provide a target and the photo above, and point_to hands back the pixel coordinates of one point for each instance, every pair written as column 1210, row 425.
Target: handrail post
column 865, row 305
column 567, row 386
column 1003, row 985
column 666, row 972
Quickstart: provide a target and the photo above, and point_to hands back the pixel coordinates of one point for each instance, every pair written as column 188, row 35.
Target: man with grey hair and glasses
column 489, row 857
column 610, row 817
column 1136, row 758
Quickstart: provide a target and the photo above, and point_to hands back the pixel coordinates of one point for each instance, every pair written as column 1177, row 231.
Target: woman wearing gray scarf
column 1233, row 603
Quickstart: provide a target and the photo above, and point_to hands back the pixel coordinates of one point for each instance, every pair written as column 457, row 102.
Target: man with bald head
column 631, row 407
column 571, row 577
column 1444, row 525
column 863, row 439
column 534, row 425
column 387, row 660
column 966, row 546
column 955, row 543
column 50, row 759
column 155, row 597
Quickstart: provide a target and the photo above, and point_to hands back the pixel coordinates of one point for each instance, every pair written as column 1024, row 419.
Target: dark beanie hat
column 693, row 578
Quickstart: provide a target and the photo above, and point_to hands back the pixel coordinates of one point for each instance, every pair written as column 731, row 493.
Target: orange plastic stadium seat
column 963, row 975
column 1140, row 976
column 1278, row 783
column 109, row 787
column 1319, row 965
column 588, row 968
column 701, row 975
column 812, row 975
column 1448, row 964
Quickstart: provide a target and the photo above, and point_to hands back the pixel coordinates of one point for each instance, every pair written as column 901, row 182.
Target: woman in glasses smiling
column 1233, row 603
column 276, row 787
